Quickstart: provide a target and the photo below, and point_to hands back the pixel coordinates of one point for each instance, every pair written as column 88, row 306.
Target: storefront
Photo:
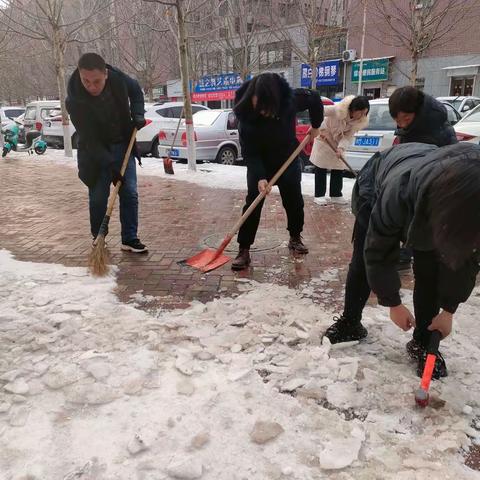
column 375, row 76
column 329, row 77
column 216, row 91
column 463, row 80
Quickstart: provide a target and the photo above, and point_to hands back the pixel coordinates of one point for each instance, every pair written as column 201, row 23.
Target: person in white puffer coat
column 339, row 126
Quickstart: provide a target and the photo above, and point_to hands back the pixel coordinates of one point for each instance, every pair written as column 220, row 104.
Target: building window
column 223, row 8
column 461, row 86
column 275, row 55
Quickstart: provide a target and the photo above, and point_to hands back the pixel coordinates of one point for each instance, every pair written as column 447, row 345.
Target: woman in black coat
column 266, row 108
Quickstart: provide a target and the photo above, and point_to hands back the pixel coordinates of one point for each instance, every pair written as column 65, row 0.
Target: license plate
column 367, row 141
column 174, row 152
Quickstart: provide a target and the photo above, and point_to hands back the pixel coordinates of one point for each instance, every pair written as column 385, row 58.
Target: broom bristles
column 98, row 259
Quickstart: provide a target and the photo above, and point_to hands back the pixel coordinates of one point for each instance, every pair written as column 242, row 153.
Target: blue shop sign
column 327, row 74
column 217, row 83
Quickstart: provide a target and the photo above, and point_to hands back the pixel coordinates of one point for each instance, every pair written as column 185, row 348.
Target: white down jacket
column 340, row 129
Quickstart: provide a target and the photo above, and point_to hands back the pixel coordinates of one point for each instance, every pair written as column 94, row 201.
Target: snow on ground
column 235, row 389
column 207, row 175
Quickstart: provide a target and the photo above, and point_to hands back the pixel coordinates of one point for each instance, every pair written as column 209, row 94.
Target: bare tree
column 314, row 29
column 420, row 25
column 179, row 13
column 57, row 24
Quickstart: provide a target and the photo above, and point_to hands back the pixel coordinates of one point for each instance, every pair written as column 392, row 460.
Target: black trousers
column 336, row 182
column 290, row 187
column 425, row 294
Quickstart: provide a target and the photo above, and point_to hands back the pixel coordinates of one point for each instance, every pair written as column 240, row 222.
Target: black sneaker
column 345, row 330
column 440, row 369
column 135, row 246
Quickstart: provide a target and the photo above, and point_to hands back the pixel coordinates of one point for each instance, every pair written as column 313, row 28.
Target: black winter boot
column 296, row 244
column 242, row 260
column 345, row 330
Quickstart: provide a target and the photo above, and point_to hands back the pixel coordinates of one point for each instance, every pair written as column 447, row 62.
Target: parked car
column 216, row 136
column 156, row 116
column 165, row 115
column 303, row 125
column 7, row 114
column 461, row 104
column 468, row 128
column 37, row 112
column 380, row 133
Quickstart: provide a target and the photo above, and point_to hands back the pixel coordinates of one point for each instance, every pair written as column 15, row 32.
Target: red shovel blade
column 168, row 165
column 207, row 260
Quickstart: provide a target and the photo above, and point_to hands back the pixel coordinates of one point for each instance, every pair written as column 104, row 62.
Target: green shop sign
column 373, row 70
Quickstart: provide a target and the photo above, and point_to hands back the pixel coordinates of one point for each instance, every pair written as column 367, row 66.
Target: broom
column 98, row 258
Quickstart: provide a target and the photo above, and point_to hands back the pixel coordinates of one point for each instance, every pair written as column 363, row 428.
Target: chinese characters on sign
column 215, row 83
column 327, row 74
column 373, row 70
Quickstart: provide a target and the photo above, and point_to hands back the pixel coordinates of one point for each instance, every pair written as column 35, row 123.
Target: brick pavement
column 44, row 218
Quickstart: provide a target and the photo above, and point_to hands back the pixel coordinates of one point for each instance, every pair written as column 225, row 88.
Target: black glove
column 139, row 121
column 116, row 176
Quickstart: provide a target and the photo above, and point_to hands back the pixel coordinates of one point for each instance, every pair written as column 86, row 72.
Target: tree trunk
column 187, row 103
column 414, row 69
column 59, row 60
column 313, row 65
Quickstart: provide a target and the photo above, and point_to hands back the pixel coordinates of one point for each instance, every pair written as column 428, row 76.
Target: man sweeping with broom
column 107, row 107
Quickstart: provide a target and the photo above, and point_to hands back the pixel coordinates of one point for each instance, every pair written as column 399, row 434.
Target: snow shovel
column 210, row 259
column 341, row 157
column 421, row 395
column 167, row 161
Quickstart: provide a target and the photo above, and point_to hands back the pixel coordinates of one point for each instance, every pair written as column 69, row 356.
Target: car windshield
column 379, row 117
column 13, row 112
column 473, row 117
column 31, row 113
column 205, row 117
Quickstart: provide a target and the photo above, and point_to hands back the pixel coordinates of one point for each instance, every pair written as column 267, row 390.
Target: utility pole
column 362, row 50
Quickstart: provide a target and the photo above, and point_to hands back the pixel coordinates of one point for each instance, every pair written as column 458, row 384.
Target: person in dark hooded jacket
column 423, row 119
column 266, row 108
column 420, row 118
column 427, row 197
column 105, row 105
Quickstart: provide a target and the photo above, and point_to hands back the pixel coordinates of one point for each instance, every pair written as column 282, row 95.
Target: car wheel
column 227, row 156
column 75, row 140
column 154, row 150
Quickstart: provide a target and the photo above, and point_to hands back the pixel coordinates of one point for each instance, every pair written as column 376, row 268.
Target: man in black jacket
column 423, row 119
column 427, row 197
column 266, row 108
column 105, row 105
column 420, row 118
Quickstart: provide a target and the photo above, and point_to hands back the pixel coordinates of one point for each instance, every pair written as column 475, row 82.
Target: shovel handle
column 113, row 195
column 341, row 157
column 272, row 182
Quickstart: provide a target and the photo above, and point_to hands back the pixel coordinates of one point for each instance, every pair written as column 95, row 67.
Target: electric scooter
column 33, row 140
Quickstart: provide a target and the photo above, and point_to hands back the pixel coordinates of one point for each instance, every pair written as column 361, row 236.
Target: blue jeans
column 98, row 196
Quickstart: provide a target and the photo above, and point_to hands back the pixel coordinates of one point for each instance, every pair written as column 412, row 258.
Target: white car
column 461, row 104
column 380, row 133
column 468, row 128
column 216, row 138
column 7, row 114
column 156, row 115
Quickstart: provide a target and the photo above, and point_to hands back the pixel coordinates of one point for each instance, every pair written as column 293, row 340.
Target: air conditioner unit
column 349, row 55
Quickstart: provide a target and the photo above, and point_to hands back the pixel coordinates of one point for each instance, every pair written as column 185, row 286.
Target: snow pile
column 210, row 175
column 235, row 389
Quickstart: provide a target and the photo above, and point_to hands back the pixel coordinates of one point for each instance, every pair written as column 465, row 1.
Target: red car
column 303, row 124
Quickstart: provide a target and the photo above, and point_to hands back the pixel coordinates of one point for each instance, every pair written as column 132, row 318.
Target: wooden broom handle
column 113, row 195
column 341, row 157
column 272, row 182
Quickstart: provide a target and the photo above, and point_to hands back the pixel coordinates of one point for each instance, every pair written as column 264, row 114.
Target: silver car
column 216, row 135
